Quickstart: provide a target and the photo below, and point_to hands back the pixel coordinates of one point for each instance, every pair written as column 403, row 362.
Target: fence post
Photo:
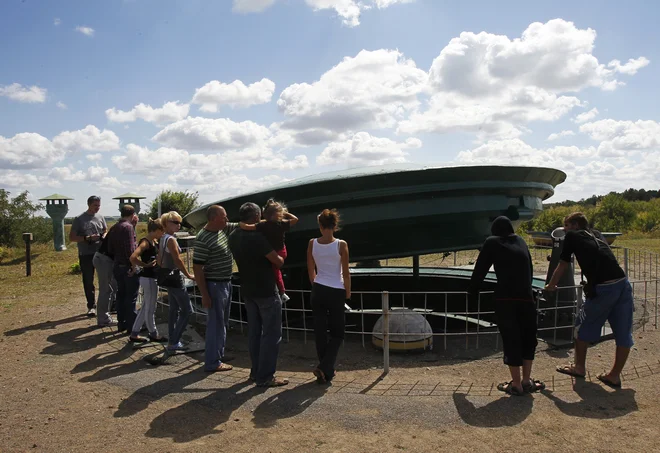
column 386, row 331
column 625, row 261
column 27, row 237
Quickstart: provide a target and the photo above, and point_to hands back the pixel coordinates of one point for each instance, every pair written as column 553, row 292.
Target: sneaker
column 177, row 347
column 284, row 298
column 91, row 312
column 109, row 323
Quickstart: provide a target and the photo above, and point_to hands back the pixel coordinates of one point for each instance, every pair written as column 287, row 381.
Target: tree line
column 630, row 211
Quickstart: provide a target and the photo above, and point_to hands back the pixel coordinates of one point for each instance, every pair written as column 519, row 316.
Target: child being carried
column 274, row 226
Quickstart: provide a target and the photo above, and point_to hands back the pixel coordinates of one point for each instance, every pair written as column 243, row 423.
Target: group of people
column 608, row 298
column 256, row 244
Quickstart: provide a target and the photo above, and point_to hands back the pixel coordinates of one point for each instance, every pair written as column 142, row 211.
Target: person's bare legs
column 620, row 357
column 515, row 377
column 527, row 371
column 580, row 365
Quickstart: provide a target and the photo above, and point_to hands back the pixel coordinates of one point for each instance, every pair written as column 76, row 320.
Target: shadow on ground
column 596, row 402
column 44, row 325
column 77, row 340
column 189, row 421
column 505, row 411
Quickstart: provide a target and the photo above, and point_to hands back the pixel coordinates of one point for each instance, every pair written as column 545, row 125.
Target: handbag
column 169, row 278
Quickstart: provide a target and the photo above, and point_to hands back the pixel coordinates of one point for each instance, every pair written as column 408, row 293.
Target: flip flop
column 607, row 382
column 221, row 367
column 275, row 382
column 569, row 370
column 533, row 386
column 509, row 389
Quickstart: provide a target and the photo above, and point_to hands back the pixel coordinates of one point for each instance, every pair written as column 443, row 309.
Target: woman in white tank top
column 327, row 265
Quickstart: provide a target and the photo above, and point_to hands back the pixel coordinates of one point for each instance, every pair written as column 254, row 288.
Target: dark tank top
column 148, row 256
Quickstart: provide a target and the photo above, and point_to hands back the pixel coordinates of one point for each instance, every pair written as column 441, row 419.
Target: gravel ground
column 68, row 386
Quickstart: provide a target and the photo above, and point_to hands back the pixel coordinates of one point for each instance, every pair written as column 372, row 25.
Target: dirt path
column 67, row 386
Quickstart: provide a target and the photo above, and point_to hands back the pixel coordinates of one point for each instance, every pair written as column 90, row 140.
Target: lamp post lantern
column 57, row 208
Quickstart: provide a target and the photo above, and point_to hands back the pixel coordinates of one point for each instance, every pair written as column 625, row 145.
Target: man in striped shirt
column 212, row 265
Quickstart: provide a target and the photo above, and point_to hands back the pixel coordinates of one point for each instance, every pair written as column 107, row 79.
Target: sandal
column 605, row 380
column 221, row 367
column 509, row 389
column 320, row 376
column 275, row 382
column 534, row 385
column 569, row 370
column 137, row 339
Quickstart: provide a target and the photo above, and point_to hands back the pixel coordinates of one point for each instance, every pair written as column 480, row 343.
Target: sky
column 232, row 96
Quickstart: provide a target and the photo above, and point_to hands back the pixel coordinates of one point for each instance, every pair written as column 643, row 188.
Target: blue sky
column 268, row 91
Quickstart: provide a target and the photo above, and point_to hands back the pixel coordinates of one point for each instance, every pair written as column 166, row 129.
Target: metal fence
column 471, row 326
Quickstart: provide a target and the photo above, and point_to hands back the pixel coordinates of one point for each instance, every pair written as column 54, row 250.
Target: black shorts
column 517, row 323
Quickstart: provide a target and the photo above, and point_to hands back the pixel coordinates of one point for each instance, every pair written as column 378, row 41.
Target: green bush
column 75, row 268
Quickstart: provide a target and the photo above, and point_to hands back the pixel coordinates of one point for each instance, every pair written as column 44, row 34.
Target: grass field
column 53, row 283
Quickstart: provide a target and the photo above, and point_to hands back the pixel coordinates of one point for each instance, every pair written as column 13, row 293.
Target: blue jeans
column 127, row 293
column 179, row 313
column 216, row 326
column 264, row 335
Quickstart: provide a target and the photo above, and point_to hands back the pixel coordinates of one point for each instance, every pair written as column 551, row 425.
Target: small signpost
column 27, row 237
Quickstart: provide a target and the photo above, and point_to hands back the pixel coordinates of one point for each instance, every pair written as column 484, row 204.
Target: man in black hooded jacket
column 515, row 310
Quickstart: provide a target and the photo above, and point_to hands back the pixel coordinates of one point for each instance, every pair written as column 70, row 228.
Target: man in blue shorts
column 608, row 297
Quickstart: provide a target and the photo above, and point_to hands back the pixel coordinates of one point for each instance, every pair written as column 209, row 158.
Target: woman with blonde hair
column 327, row 266
column 143, row 260
column 169, row 276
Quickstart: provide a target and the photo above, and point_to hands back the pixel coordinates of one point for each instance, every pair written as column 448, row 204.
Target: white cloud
column 235, row 94
column 87, row 31
column 624, row 138
column 168, row 113
column 374, row 89
column 28, row 150
column 57, row 21
column 66, row 174
column 348, row 10
column 89, row 139
column 94, row 157
column 61, row 105
column 13, row 179
column 586, row 116
column 212, row 134
column 493, row 85
column 631, row 67
column 364, row 149
column 20, row 93
column 558, row 135
column 202, row 168
column 251, row 6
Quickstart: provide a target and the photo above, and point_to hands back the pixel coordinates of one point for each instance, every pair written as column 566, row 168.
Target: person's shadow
column 44, row 325
column 596, row 402
column 104, row 359
column 288, row 403
column 142, row 397
column 505, row 411
column 76, row 340
column 189, row 421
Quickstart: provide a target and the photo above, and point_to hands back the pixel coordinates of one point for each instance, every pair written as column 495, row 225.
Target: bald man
column 212, row 265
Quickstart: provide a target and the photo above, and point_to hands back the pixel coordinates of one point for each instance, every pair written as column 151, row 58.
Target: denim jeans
column 127, row 293
column 216, row 327
column 179, row 313
column 107, row 287
column 264, row 335
column 87, row 269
